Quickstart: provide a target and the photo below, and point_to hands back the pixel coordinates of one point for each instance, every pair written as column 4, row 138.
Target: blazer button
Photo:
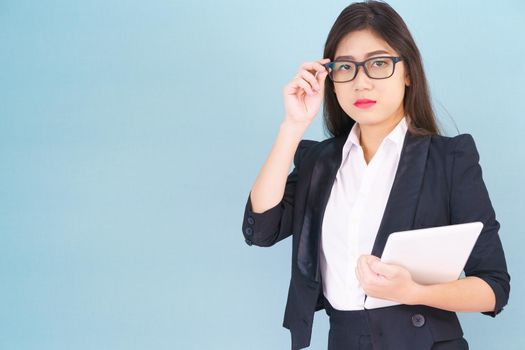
column 251, row 220
column 248, row 241
column 248, row 231
column 418, row 320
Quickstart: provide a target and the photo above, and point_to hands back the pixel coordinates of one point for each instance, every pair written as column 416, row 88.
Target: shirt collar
column 396, row 136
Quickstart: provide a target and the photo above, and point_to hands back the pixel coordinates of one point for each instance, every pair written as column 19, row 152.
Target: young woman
column 386, row 168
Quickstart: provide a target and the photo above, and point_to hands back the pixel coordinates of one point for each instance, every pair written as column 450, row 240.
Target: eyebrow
column 377, row 52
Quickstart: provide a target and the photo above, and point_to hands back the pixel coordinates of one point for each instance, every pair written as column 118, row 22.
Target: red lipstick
column 364, row 103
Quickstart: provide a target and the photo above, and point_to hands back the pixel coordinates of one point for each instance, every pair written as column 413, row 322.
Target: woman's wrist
column 416, row 295
column 294, row 125
column 293, row 130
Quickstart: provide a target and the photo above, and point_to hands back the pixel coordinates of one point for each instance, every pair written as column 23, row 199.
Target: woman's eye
column 345, row 67
column 379, row 63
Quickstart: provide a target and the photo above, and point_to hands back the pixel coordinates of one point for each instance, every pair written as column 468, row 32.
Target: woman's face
column 388, row 93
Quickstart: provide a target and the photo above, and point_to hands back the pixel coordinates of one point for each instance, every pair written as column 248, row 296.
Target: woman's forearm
column 470, row 294
column 268, row 189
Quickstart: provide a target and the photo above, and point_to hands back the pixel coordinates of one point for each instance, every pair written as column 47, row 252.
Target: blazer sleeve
column 275, row 224
column 470, row 202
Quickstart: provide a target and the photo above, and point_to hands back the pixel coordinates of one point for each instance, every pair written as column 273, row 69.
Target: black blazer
column 438, row 182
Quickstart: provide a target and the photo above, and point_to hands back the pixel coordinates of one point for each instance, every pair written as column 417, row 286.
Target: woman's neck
column 371, row 136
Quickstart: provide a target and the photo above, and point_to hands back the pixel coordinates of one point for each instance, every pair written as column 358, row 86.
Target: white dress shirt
column 353, row 214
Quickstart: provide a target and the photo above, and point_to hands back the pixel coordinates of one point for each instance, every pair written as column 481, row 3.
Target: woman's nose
column 361, row 80
column 361, row 76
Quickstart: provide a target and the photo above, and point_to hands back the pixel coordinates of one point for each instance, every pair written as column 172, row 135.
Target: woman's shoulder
column 307, row 145
column 304, row 147
column 334, row 140
column 453, row 144
column 311, row 148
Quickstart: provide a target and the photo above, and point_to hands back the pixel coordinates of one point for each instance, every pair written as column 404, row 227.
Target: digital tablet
column 432, row 255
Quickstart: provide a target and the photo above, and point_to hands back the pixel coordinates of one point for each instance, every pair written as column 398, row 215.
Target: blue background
column 131, row 133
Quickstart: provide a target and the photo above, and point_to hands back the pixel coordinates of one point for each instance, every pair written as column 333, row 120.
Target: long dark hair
column 383, row 20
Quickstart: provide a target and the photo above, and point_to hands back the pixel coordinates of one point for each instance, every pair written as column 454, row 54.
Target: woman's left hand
column 386, row 281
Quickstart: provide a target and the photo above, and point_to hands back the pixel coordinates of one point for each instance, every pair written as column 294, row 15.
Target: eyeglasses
column 375, row 68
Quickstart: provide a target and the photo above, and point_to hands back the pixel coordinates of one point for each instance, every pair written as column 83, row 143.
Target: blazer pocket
column 454, row 344
column 444, row 325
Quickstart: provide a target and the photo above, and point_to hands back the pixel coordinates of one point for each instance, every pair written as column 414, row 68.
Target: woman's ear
column 407, row 80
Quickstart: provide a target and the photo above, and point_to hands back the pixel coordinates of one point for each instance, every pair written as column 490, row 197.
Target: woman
column 386, row 168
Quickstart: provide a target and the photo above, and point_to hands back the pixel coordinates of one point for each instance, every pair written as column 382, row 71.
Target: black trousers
column 350, row 330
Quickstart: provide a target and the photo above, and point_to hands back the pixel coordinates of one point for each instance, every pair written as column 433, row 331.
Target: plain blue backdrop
column 132, row 131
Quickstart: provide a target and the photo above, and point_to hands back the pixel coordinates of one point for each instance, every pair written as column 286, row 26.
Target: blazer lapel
column 399, row 211
column 327, row 163
column 402, row 202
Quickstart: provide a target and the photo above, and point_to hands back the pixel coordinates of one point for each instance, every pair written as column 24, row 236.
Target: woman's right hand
column 304, row 94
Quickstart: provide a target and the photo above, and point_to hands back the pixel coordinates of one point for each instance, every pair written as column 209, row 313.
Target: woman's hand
column 304, row 94
column 386, row 281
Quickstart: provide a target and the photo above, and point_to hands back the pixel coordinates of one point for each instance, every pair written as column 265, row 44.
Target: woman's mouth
column 364, row 103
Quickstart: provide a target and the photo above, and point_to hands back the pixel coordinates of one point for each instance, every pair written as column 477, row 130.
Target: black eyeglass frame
column 329, row 67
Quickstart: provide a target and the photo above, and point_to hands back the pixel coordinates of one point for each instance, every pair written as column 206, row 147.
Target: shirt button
column 251, row 220
column 248, row 231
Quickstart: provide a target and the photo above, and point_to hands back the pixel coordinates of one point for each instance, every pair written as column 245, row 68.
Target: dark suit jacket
column 438, row 182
